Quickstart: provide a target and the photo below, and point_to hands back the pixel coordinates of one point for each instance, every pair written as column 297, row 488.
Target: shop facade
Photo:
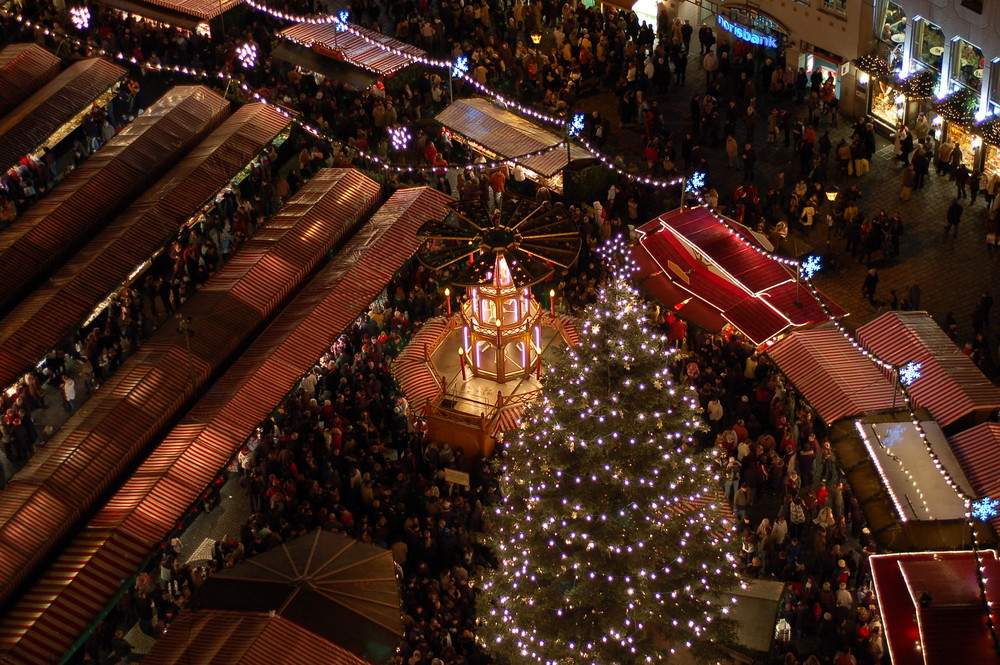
column 955, row 48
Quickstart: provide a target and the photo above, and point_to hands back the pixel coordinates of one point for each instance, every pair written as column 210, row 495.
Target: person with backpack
column 796, row 517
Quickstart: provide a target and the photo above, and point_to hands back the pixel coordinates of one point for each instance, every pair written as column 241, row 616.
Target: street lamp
column 831, row 193
column 536, row 37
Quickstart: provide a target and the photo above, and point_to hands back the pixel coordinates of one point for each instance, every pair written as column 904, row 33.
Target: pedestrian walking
column 869, row 286
column 954, row 216
column 909, row 180
column 749, row 160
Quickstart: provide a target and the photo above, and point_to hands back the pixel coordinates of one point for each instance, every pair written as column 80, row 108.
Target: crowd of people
column 342, row 453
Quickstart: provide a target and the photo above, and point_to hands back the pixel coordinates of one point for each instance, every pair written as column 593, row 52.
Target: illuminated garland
column 959, row 107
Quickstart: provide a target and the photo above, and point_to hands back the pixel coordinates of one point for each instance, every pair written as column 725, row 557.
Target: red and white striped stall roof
column 978, row 451
column 832, row 374
column 353, row 49
column 218, row 637
column 950, row 385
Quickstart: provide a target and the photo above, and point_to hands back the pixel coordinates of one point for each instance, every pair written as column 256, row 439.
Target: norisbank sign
column 746, row 34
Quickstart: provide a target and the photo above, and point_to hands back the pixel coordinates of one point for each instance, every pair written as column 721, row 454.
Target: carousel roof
column 529, row 237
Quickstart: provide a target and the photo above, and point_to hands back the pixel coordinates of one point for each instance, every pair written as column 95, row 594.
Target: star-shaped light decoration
column 910, row 372
column 80, row 17
column 342, row 20
column 532, row 239
column 247, row 55
column 460, row 66
column 576, row 125
column 984, row 509
column 400, row 137
column 811, row 266
column 695, row 182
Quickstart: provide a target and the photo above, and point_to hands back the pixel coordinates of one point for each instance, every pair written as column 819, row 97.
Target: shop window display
column 931, row 47
column 967, row 64
column 884, row 104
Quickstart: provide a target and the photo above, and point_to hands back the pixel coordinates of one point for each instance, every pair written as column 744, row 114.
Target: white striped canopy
column 832, row 374
column 950, row 385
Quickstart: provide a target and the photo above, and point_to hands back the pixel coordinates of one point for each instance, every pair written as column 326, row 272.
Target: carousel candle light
column 552, row 302
column 461, row 362
column 447, row 299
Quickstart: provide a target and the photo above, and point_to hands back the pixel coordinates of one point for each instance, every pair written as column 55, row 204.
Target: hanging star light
column 247, row 55
column 695, row 182
column 576, row 126
column 80, row 17
column 910, row 372
column 343, row 18
column 460, row 67
column 400, row 137
column 985, row 509
column 812, row 265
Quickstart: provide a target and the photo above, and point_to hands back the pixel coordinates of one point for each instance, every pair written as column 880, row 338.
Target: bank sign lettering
column 746, row 34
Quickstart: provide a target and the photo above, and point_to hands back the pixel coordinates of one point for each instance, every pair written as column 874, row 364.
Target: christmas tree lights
column 598, row 565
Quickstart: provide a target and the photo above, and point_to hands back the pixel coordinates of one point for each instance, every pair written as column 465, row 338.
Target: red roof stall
column 24, row 68
column 71, row 594
column 689, row 256
column 222, row 637
column 502, row 135
column 931, row 606
column 102, row 442
column 81, row 205
column 326, row 40
column 978, row 451
column 49, row 115
column 950, row 386
column 831, row 374
column 193, row 15
column 61, row 304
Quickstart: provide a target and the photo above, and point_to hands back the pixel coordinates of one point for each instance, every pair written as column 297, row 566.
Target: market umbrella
column 332, row 585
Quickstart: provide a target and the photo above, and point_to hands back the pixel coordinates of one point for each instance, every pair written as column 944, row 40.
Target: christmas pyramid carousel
column 472, row 372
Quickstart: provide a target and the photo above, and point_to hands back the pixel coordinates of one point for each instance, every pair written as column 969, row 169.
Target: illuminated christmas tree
column 611, row 551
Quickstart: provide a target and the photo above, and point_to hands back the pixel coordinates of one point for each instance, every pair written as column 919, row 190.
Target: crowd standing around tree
column 345, row 453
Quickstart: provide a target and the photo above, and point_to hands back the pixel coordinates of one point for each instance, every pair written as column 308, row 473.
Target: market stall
column 205, row 17
column 24, row 68
column 978, row 451
column 832, row 376
column 58, row 108
column 350, row 57
column 949, row 385
column 932, row 606
column 689, row 259
column 499, row 134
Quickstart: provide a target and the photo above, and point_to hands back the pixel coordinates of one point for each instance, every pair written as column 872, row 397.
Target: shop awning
column 702, row 256
column 831, row 374
column 950, row 385
column 244, row 638
column 82, row 204
column 931, row 606
column 62, row 303
column 508, row 135
column 336, row 70
column 24, row 68
column 30, row 125
column 352, row 48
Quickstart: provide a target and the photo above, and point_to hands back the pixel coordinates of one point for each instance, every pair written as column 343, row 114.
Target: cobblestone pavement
column 952, row 273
